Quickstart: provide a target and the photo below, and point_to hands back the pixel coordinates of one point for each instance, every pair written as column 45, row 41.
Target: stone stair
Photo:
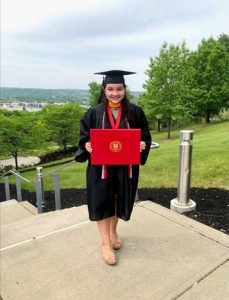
column 13, row 211
column 56, row 256
column 21, row 223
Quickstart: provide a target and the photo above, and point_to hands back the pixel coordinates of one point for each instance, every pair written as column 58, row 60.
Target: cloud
column 87, row 36
column 117, row 20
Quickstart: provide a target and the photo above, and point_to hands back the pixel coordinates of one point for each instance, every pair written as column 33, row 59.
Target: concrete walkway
column 165, row 255
column 22, row 161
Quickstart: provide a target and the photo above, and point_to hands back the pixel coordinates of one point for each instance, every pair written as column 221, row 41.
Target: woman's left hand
column 142, row 146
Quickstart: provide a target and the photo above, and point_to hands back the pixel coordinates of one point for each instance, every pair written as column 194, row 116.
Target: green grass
column 209, row 159
column 73, row 176
column 209, row 162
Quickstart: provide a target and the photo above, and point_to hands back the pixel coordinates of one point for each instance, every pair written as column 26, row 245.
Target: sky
column 61, row 43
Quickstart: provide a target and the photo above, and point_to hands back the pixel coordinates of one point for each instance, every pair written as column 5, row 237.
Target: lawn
column 209, row 162
column 209, row 159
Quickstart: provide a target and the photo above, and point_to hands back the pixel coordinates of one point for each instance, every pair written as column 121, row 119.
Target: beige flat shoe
column 109, row 257
column 116, row 243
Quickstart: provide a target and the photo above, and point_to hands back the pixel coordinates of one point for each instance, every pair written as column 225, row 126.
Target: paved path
column 165, row 255
column 22, row 161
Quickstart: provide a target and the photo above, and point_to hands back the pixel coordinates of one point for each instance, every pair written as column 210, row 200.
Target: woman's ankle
column 107, row 246
column 113, row 234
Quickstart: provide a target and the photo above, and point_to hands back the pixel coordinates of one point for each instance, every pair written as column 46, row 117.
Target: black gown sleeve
column 141, row 122
column 81, row 154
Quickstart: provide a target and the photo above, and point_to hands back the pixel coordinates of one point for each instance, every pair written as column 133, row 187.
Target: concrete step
column 164, row 256
column 13, row 211
column 35, row 226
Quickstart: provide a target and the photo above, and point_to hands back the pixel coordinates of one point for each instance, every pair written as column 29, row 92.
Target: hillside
column 43, row 95
column 47, row 95
column 209, row 159
column 209, row 162
column 159, row 177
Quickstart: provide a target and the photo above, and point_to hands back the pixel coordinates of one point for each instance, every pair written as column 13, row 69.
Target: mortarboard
column 114, row 76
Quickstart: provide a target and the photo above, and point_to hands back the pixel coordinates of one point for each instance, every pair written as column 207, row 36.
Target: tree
column 165, row 87
column 94, row 91
column 209, row 77
column 20, row 132
column 63, row 122
column 224, row 39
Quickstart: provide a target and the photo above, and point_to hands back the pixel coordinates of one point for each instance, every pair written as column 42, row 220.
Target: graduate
column 111, row 190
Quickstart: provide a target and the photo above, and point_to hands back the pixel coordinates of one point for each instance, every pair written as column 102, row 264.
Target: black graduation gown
column 116, row 194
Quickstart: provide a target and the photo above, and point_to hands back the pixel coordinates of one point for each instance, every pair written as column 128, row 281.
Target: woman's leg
column 104, row 229
column 113, row 226
column 115, row 241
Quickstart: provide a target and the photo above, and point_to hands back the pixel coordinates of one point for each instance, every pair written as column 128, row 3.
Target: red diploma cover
column 115, row 146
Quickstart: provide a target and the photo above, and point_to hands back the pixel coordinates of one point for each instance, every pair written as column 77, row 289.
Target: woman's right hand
column 88, row 147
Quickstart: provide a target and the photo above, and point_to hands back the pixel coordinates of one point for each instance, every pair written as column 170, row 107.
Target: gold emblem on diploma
column 115, row 146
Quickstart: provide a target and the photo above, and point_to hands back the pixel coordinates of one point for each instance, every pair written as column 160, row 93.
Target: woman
column 112, row 196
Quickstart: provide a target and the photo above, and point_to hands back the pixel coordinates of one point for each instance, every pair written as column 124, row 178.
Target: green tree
column 209, row 77
column 62, row 121
column 94, row 91
column 20, row 132
column 224, row 39
column 165, row 87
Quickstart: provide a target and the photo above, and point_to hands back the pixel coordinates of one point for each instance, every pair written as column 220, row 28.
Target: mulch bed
column 212, row 204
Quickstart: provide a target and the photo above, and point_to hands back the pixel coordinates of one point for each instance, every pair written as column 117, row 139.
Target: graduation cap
column 114, row 76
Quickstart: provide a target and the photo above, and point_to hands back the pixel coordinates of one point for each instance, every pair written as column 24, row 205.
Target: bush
column 49, row 157
column 5, row 169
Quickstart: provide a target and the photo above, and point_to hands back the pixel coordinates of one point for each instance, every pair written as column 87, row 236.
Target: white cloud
column 60, row 43
column 26, row 14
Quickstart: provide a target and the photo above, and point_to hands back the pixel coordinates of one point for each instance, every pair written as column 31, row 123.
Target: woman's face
column 115, row 92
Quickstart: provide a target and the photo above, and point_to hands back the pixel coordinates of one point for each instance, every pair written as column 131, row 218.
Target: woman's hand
column 142, row 146
column 88, row 147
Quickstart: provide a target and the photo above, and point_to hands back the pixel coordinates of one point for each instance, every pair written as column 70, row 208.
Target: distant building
column 32, row 106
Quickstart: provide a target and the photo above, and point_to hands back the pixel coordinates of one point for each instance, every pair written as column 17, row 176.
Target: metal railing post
column 136, row 196
column 183, row 203
column 18, row 187
column 57, row 191
column 39, row 190
column 7, row 187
